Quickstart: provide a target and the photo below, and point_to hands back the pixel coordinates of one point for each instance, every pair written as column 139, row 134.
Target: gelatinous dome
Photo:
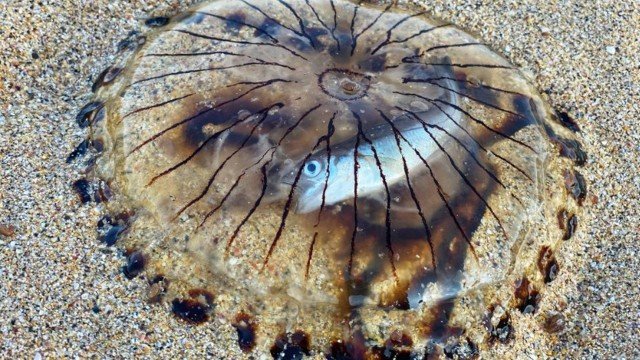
column 309, row 162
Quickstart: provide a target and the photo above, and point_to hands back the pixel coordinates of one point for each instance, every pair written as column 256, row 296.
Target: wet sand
column 62, row 294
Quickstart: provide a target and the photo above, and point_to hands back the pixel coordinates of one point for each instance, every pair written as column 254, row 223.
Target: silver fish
column 337, row 172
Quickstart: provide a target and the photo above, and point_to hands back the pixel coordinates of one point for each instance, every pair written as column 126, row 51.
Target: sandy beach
column 63, row 294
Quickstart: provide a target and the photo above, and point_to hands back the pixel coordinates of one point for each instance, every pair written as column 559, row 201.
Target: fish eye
column 312, row 168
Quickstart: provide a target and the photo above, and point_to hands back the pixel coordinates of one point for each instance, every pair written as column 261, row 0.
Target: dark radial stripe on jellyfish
column 359, row 159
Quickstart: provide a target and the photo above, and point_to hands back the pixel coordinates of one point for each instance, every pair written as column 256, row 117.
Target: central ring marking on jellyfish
column 344, row 84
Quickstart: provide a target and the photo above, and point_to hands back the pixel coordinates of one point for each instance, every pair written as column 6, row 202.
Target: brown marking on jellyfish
column 476, row 142
column 475, row 120
column 464, row 178
column 287, row 206
column 107, row 76
column 568, row 223
column 323, row 23
column 263, row 170
column 194, row 309
column 79, row 151
column 135, row 264
column 247, row 139
column 90, row 113
column 526, row 296
column 452, row 256
column 291, row 345
column 501, row 331
column 567, row 121
column 236, row 21
column 571, row 149
column 461, row 349
column 192, row 135
column 158, row 21
column 568, row 148
column 387, row 232
column 547, row 264
column 554, row 323
column 270, row 22
column 355, row 37
column 246, row 328
column 84, row 190
column 154, row 106
column 575, row 185
column 244, row 42
column 204, row 114
column 158, row 286
column 398, row 346
column 191, row 311
column 373, row 64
